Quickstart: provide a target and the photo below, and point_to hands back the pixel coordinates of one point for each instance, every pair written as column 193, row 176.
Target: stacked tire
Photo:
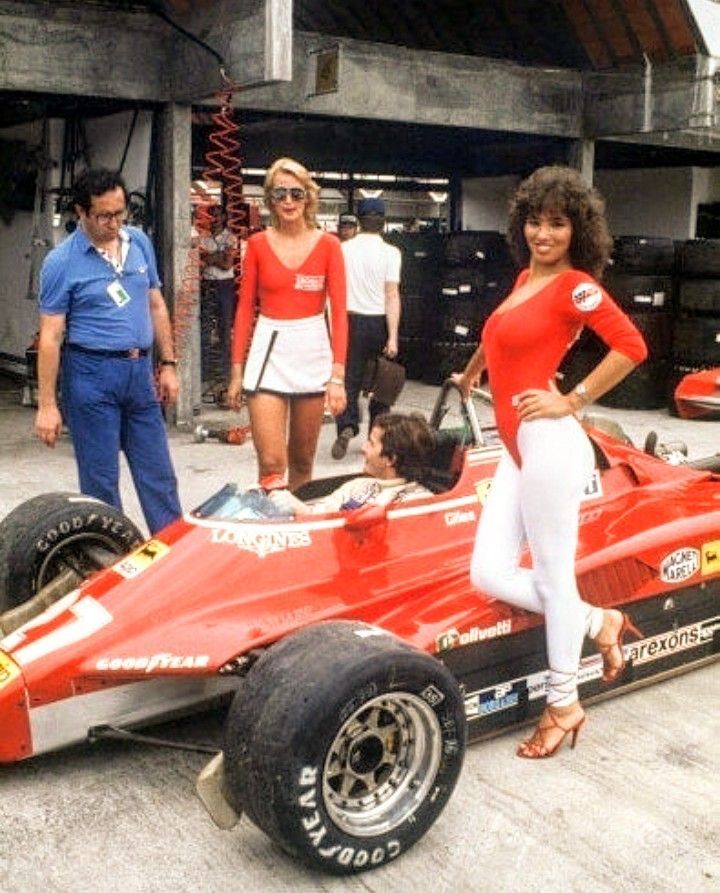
column 476, row 274
column 422, row 255
column 696, row 329
column 640, row 279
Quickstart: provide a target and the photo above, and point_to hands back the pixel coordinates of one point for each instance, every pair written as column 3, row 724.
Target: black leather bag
column 384, row 379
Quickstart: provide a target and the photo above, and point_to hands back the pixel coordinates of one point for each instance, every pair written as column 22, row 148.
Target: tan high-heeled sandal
column 535, row 748
column 612, row 672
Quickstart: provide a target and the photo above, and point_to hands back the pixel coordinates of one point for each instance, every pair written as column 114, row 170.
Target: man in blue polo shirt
column 100, row 301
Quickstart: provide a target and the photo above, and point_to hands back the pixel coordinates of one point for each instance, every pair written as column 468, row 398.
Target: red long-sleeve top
column 525, row 344
column 281, row 293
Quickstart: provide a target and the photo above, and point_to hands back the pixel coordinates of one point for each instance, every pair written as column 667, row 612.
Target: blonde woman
column 296, row 358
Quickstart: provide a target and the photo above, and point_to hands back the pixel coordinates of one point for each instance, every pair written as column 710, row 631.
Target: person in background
column 347, row 227
column 373, row 282
column 294, row 365
column 217, row 258
column 557, row 230
column 397, row 455
column 100, row 295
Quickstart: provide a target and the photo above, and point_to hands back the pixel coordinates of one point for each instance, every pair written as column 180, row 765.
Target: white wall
column 644, row 202
column 649, row 202
column 19, row 251
column 107, row 137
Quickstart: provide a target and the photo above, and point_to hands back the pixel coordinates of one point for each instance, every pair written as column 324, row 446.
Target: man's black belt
column 132, row 354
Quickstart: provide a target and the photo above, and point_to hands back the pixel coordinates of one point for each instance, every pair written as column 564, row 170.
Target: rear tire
column 344, row 744
column 55, row 531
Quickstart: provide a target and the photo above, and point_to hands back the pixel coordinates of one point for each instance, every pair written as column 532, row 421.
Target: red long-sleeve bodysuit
column 282, row 293
column 525, row 344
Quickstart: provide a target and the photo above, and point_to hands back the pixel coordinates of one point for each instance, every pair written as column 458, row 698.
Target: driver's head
column 399, row 445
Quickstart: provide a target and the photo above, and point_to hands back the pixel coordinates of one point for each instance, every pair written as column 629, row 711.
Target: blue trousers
column 367, row 337
column 110, row 405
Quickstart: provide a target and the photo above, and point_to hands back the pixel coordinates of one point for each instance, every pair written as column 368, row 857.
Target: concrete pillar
column 582, row 157
column 179, row 273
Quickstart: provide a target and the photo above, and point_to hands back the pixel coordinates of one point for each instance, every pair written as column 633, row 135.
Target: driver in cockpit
column 398, row 455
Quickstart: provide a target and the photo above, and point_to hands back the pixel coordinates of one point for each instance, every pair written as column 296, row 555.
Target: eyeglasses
column 109, row 216
column 280, row 193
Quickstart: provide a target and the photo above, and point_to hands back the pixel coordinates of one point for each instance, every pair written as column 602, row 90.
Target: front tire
column 55, row 532
column 344, row 745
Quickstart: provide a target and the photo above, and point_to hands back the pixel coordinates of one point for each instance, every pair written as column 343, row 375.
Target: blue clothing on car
column 109, row 402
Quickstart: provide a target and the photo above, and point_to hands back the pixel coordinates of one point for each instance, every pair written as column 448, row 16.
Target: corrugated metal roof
column 597, row 34
column 584, row 34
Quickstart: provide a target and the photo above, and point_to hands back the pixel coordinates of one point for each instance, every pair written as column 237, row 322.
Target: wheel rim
column 84, row 554
column 381, row 764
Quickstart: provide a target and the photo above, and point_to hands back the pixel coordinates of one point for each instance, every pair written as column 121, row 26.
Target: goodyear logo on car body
column 8, row 670
column 680, row 565
column 153, row 663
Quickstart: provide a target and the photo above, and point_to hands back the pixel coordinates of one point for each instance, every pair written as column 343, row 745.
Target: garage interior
column 450, row 98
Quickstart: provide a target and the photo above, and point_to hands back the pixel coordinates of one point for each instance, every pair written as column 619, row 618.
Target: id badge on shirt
column 118, row 293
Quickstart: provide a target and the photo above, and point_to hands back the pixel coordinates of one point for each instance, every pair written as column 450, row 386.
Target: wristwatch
column 168, row 362
column 582, row 392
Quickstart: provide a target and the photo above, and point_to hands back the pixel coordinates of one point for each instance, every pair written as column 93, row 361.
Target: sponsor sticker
column 672, row 642
column 8, row 670
column 454, row 639
column 309, row 283
column 493, row 700
column 710, row 563
column 680, row 565
column 262, row 542
column 141, row 559
column 586, row 296
column 589, row 670
column 482, row 490
column 593, row 488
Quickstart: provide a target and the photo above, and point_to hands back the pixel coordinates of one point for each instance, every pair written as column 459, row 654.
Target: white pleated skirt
column 291, row 357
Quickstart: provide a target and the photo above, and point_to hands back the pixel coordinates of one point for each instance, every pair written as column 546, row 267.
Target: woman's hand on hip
column 537, row 404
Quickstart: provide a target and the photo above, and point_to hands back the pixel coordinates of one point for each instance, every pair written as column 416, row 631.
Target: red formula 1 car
column 697, row 395
column 358, row 658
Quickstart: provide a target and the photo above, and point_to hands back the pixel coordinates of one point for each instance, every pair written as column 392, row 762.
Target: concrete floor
column 634, row 808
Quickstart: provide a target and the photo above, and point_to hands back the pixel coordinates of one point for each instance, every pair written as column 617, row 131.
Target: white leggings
column 537, row 505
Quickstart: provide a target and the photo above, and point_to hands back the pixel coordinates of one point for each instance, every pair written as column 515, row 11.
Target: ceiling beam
column 382, row 82
column 673, row 101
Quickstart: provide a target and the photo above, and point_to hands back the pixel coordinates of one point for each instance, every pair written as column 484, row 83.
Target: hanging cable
column 223, row 164
column 157, row 9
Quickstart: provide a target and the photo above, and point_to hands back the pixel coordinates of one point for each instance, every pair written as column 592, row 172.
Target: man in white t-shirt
column 372, row 270
column 217, row 258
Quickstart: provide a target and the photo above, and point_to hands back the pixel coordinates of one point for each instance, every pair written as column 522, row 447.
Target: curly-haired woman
column 557, row 230
column 296, row 362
